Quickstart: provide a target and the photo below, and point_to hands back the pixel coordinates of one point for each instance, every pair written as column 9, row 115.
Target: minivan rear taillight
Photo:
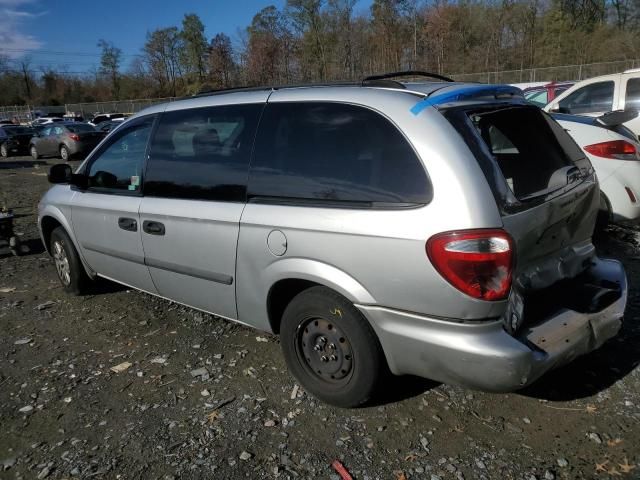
column 476, row 262
column 615, row 149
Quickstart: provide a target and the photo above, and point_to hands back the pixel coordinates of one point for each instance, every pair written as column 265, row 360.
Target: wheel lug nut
column 333, row 358
column 322, row 340
column 317, row 348
column 332, row 346
column 324, row 358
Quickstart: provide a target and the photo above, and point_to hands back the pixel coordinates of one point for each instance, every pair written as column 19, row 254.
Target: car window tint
column 202, row 153
column 118, row 166
column 46, row 132
column 595, row 97
column 334, row 152
column 632, row 97
column 58, row 131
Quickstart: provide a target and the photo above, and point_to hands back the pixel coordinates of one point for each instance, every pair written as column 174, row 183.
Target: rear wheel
column 34, row 152
column 69, row 267
column 64, row 153
column 4, row 151
column 331, row 348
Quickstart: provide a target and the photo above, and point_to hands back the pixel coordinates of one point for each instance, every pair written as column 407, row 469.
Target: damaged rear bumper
column 483, row 355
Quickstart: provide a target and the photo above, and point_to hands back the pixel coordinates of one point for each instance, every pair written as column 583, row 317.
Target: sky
column 64, row 33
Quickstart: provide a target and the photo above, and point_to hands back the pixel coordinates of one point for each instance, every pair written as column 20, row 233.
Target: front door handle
column 128, row 224
column 153, row 228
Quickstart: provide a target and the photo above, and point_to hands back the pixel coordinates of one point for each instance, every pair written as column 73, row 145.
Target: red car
column 542, row 95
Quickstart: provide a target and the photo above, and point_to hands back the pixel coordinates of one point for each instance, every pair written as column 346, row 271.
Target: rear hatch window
column 534, row 154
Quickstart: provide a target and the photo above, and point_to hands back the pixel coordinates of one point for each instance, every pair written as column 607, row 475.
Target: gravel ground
column 199, row 397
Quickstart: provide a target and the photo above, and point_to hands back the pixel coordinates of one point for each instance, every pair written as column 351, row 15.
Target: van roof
column 440, row 91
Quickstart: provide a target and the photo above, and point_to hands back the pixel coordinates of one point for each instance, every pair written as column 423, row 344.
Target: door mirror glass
column 60, row 173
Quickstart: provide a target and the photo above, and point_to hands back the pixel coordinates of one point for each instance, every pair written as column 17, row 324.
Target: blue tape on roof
column 461, row 94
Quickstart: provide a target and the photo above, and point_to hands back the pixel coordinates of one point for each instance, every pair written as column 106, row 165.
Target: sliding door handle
column 153, row 228
column 128, row 224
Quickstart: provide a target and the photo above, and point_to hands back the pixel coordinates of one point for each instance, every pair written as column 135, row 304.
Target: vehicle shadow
column 395, row 389
column 597, row 371
column 12, row 164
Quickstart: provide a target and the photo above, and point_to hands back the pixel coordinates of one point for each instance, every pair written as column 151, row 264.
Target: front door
column 194, row 194
column 105, row 216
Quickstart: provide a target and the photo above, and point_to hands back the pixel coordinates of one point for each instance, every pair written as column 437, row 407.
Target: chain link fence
column 21, row 112
column 89, row 110
column 548, row 74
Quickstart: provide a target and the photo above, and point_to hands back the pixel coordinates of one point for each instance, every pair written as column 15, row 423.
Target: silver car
column 386, row 226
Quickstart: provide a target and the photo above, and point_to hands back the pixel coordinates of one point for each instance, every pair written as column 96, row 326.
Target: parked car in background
column 109, row 125
column 73, row 118
column 614, row 152
column 599, row 95
column 47, row 120
column 14, row 139
column 541, row 95
column 104, row 117
column 65, row 140
column 411, row 226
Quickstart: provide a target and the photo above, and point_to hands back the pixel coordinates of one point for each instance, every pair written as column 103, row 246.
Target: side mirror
column 60, row 173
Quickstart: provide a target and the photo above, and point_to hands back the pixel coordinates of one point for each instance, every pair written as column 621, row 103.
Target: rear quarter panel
column 374, row 257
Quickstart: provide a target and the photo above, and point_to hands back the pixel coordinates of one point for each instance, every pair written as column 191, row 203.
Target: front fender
column 62, row 214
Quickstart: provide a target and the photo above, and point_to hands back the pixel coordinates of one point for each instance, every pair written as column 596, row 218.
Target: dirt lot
column 65, row 414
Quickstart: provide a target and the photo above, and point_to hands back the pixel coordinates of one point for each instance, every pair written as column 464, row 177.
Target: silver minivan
column 427, row 228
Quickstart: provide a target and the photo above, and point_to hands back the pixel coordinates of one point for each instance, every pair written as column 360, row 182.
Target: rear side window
column 533, row 152
column 334, row 152
column 632, row 98
column 592, row 98
column 202, row 153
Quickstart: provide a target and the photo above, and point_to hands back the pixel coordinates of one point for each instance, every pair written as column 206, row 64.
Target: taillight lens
column 616, row 149
column 74, row 136
column 476, row 262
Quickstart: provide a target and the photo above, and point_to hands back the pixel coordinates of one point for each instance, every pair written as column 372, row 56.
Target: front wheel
column 69, row 267
column 64, row 153
column 4, row 151
column 331, row 348
column 34, row 152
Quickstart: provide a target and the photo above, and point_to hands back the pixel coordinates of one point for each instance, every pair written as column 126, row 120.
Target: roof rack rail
column 406, row 73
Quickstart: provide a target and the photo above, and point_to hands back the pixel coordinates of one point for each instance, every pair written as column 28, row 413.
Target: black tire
column 320, row 317
column 4, row 151
column 34, row 152
column 64, row 153
column 77, row 282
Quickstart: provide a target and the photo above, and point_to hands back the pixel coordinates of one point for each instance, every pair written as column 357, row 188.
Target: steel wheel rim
column 324, row 350
column 62, row 263
column 3, row 151
column 34, row 152
column 64, row 154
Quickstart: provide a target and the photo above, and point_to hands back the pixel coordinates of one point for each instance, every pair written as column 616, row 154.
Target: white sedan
column 614, row 152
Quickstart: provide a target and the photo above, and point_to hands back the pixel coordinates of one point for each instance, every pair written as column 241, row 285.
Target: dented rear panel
column 545, row 188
